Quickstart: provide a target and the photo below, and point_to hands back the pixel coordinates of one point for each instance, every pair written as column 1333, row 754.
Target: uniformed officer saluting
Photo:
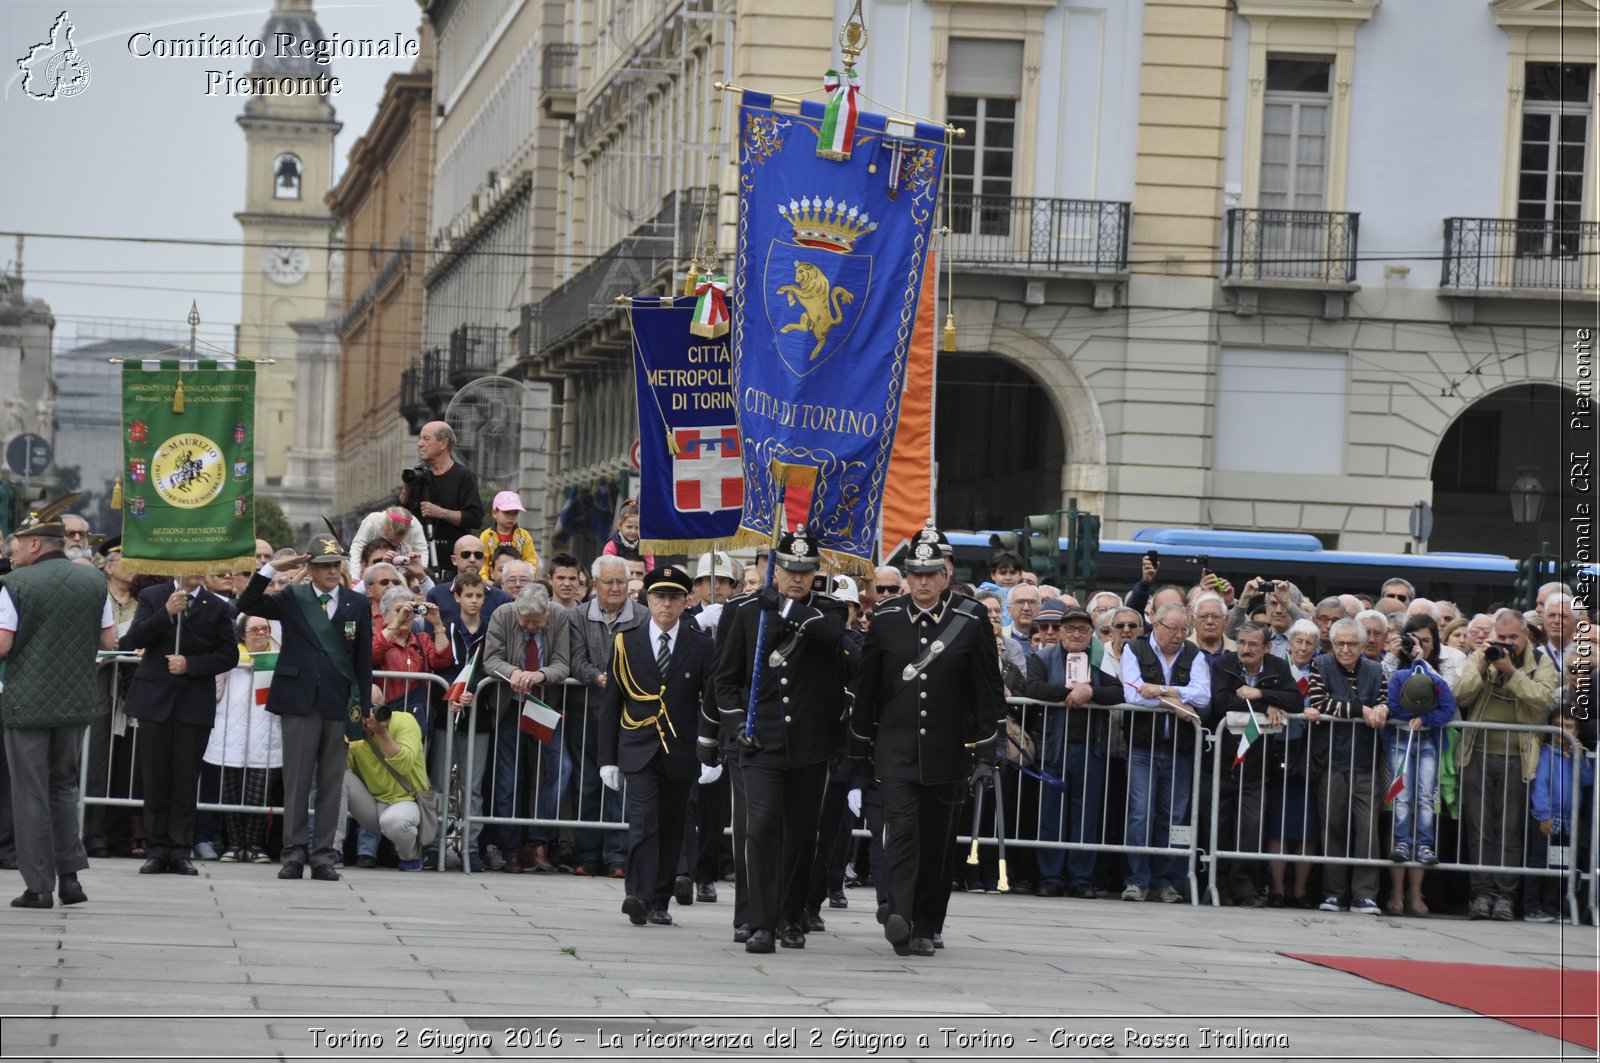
column 659, row 687
column 799, row 716
column 929, row 690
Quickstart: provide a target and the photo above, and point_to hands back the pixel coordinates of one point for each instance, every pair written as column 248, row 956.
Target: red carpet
column 1522, row 996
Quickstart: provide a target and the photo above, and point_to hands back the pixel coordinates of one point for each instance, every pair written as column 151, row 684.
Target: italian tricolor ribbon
column 711, row 307
column 837, row 136
column 1252, row 732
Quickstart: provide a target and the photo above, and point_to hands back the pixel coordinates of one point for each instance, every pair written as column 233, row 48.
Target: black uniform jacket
column 685, row 693
column 919, row 728
column 306, row 680
column 208, row 643
column 802, row 701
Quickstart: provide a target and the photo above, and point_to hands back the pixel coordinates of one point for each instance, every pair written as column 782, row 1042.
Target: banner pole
column 749, row 740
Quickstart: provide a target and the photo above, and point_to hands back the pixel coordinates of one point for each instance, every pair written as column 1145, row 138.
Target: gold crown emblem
column 827, row 225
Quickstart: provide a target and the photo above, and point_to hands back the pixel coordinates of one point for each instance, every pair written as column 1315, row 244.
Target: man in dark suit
column 798, row 720
column 929, row 690
column 659, row 687
column 320, row 690
column 186, row 633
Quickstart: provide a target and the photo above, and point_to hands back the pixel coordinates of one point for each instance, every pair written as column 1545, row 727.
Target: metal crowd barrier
column 1064, row 779
column 103, row 740
column 1276, row 778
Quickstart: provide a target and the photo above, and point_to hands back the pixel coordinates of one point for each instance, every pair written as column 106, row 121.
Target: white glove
column 852, row 801
column 709, row 616
column 710, row 773
column 611, row 775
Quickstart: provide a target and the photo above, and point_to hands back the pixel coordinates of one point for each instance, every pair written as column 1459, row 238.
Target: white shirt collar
column 672, row 635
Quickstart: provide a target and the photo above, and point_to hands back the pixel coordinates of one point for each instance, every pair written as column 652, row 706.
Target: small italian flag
column 463, row 681
column 1252, row 733
column 711, row 307
column 1400, row 779
column 538, row 719
column 261, row 681
column 837, row 137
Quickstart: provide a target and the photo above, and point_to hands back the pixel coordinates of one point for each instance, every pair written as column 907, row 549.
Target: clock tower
column 287, row 226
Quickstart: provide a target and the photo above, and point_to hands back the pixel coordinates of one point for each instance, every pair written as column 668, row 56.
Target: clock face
column 285, row 263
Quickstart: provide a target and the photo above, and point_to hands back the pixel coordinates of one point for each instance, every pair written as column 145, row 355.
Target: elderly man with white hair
column 1558, row 627
column 1166, row 672
column 595, row 627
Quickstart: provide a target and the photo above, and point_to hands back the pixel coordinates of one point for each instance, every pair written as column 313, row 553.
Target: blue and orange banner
column 827, row 282
column 691, row 476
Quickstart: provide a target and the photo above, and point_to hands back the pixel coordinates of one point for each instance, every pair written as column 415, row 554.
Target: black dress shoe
column 1049, row 889
column 706, row 893
column 324, row 873
column 883, row 913
column 71, row 889
column 292, row 869
column 366, row 862
column 792, row 938
column 741, row 933
column 683, row 890
column 897, row 932
column 922, row 946
column 30, row 899
column 156, row 865
column 814, row 923
column 181, row 866
column 837, row 899
column 634, row 909
column 759, row 940
column 937, row 939
column 658, row 917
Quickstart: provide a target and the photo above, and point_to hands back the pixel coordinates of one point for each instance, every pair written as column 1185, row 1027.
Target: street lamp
column 1527, row 497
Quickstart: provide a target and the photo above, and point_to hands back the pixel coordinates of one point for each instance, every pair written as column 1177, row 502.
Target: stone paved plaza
column 236, row 964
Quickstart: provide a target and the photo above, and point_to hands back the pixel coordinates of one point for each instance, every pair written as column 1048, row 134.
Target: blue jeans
column 1159, row 781
column 1082, row 767
column 1421, row 782
column 553, row 773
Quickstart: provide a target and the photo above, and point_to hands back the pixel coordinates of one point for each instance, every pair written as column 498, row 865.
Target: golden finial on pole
column 853, row 35
column 194, row 348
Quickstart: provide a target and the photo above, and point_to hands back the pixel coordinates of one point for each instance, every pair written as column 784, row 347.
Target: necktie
column 324, row 599
column 664, row 653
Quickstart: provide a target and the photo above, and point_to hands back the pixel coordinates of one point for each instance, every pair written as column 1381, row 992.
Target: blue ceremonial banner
column 691, row 483
column 827, row 279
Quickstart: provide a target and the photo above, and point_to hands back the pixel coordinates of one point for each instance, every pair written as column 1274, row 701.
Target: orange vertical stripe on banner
column 908, row 490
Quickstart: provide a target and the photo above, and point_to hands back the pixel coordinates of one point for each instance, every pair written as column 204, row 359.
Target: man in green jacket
column 54, row 615
column 1510, row 682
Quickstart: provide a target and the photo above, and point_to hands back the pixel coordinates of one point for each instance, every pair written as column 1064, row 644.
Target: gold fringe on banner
column 145, row 566
column 691, row 547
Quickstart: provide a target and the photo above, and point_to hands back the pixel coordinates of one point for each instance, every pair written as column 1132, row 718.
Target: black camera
column 419, row 475
column 1408, row 644
column 419, row 608
column 381, row 713
column 1496, row 650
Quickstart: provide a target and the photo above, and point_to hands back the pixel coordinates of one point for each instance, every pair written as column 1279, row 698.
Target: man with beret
column 321, row 689
column 54, row 615
column 929, row 691
column 187, row 635
column 799, row 708
column 658, row 688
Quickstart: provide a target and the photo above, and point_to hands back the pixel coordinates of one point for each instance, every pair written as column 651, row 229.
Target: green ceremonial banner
column 188, row 477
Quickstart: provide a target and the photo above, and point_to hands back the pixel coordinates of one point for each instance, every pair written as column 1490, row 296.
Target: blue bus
column 1472, row 581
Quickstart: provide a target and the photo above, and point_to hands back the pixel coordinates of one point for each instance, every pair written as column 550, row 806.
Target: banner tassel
column 672, row 444
column 177, row 397
column 949, row 332
column 116, row 493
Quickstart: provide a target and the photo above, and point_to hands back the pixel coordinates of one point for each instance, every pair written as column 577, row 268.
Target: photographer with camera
column 1506, row 682
column 385, row 771
column 393, row 527
column 441, row 492
column 402, row 644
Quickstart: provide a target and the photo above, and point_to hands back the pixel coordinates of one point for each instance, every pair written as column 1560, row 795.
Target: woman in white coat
column 247, row 743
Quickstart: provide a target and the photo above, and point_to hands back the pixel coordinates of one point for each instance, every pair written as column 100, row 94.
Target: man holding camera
column 1508, row 681
column 386, row 772
column 441, row 491
column 323, row 683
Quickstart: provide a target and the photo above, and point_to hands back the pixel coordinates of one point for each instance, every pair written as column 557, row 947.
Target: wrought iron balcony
column 1505, row 255
column 435, row 378
column 412, row 405
column 558, row 81
column 1038, row 234
column 474, row 352
column 1312, row 247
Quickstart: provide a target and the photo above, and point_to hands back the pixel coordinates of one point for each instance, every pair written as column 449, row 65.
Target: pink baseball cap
column 508, row 502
